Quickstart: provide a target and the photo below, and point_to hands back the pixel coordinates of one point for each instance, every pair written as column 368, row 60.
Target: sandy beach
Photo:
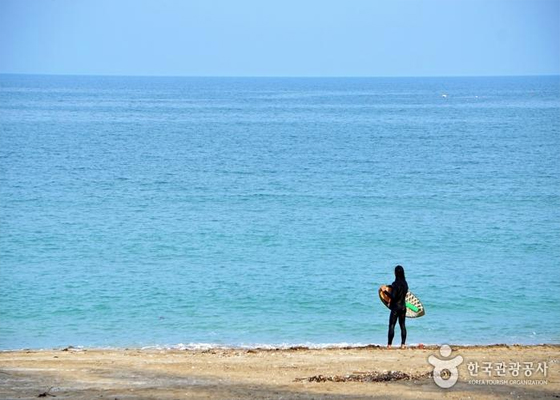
column 357, row 373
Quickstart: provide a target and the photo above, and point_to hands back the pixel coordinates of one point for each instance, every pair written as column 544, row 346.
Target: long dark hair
column 399, row 273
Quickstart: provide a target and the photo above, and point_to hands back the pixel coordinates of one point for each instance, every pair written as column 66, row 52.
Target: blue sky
column 280, row 38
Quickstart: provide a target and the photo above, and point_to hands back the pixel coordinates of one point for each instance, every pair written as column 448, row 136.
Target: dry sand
column 263, row 374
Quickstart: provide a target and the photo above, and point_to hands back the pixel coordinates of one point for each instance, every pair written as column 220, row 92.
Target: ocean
column 196, row 212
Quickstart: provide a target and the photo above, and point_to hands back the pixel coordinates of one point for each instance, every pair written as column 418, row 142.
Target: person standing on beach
column 397, row 305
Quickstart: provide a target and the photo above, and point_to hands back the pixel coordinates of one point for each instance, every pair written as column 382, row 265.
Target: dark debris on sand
column 374, row 376
column 47, row 394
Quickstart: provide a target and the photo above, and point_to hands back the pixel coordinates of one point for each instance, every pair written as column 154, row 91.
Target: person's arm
column 391, row 294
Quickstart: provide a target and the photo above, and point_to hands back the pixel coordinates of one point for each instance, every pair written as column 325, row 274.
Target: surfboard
column 414, row 307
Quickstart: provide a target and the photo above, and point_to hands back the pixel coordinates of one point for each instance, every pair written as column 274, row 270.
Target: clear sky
column 280, row 38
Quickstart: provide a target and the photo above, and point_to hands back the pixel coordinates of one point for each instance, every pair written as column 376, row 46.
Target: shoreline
column 274, row 347
column 297, row 372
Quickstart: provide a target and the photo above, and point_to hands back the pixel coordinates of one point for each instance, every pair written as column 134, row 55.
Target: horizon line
column 281, row 76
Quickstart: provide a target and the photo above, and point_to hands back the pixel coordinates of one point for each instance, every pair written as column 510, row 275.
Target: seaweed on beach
column 47, row 393
column 374, row 376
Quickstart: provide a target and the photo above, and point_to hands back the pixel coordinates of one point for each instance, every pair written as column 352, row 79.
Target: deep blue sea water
column 167, row 211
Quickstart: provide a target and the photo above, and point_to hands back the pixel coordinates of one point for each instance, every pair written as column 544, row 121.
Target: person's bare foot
column 389, row 346
column 403, row 346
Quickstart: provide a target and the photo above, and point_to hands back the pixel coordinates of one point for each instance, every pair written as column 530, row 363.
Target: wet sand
column 298, row 373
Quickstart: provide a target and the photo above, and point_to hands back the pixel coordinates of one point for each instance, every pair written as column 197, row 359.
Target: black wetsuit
column 399, row 289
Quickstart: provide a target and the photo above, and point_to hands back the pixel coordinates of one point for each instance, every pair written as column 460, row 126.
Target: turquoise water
column 181, row 211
